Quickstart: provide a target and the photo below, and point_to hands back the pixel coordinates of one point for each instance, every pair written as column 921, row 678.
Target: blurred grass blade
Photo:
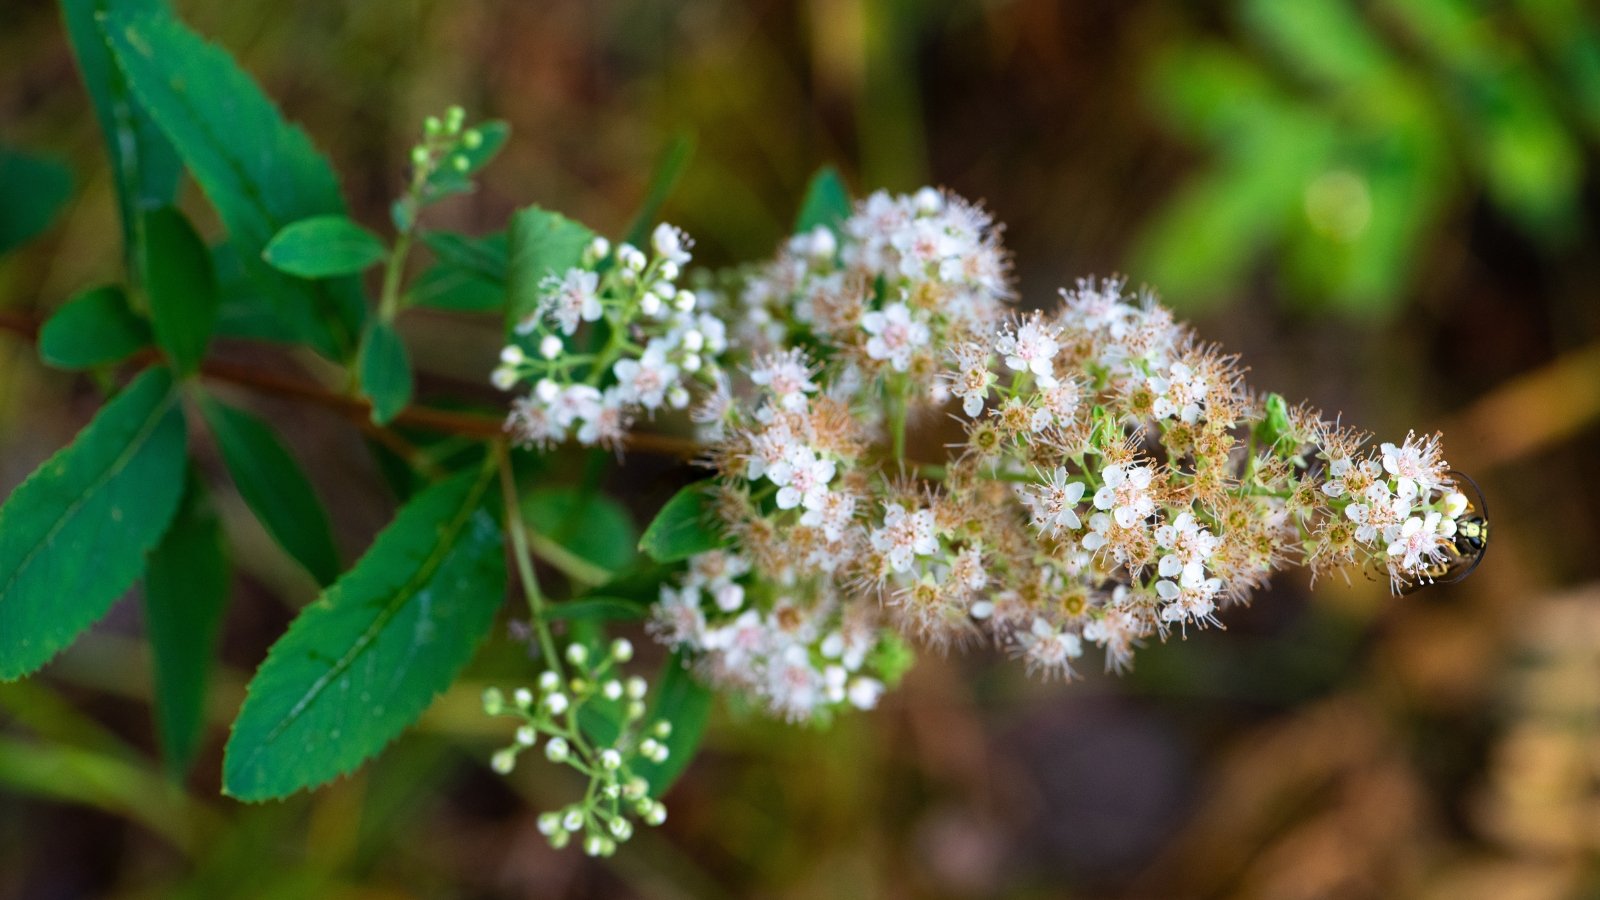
column 275, row 488
column 185, row 594
column 674, row 162
column 73, row 537
column 34, row 189
column 94, row 328
column 362, row 663
column 592, row 526
column 598, row 609
column 385, row 371
column 144, row 166
column 182, row 287
column 542, row 243
column 260, row 172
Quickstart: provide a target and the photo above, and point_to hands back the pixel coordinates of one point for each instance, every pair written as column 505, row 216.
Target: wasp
column 1465, row 551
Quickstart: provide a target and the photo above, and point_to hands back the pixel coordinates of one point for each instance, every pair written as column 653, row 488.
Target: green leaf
column 260, row 172
column 182, row 287
column 274, row 487
column 595, row 609
column 144, row 167
column 74, row 535
column 34, row 189
column 685, row 526
column 591, row 525
column 1274, row 424
column 470, row 275
column 385, row 371
column 185, row 594
column 827, row 203
column 94, row 328
column 450, row 180
column 674, row 162
column 362, row 662
column 686, row 703
column 324, row 247
column 542, row 243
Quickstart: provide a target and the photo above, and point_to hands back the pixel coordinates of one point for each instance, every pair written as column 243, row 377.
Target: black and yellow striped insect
column 1465, row 551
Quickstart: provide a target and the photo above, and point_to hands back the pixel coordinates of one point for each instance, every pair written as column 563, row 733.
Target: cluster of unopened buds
column 617, row 794
column 611, row 338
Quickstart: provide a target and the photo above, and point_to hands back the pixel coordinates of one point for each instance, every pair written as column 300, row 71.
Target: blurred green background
column 1389, row 208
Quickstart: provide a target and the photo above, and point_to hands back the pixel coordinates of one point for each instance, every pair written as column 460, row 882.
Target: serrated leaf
column 686, row 525
column 324, row 247
column 686, row 703
column 542, row 243
column 364, row 661
column 470, row 275
column 593, row 526
column 260, row 172
column 74, row 535
column 274, row 487
column 385, row 371
column 827, row 203
column 94, row 328
column 669, row 169
column 185, row 594
column 35, row 189
column 182, row 287
column 595, row 609
column 144, row 166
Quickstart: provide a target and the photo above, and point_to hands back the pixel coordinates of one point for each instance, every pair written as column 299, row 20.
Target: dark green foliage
column 362, row 663
column 94, row 328
column 73, row 537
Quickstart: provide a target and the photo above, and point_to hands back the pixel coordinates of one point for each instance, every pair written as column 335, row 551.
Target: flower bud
column 557, row 750
column 419, row 156
column 610, row 759
column 677, row 396
column 693, row 340
column 494, row 702
column 557, row 703
column 612, row 690
column 668, row 270
column 621, row 651
column 504, row 761
column 549, row 681
column 547, row 390
column 928, row 201
column 527, row 735
column 663, row 729
column 621, row 829
column 648, row 748
column 594, row 845
column 692, row 362
column 503, row 378
column 577, row 654
column 432, row 126
column 454, row 118
column 550, row 346
column 512, row 355
column 657, row 813
column 472, row 139
column 572, row 819
column 560, row 839
column 684, row 301
column 637, row 688
column 549, row 823
column 650, row 305
column 599, row 248
column 523, row 698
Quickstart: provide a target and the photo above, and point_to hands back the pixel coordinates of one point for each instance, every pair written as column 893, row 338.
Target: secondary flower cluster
column 617, row 794
column 610, row 339
column 1112, row 480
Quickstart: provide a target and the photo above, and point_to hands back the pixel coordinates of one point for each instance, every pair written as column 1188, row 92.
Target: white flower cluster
column 1117, row 482
column 799, row 660
column 905, row 275
column 657, row 345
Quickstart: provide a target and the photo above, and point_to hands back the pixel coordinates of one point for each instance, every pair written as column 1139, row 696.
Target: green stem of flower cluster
column 524, row 559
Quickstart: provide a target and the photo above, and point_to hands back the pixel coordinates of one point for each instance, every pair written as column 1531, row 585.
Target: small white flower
column 1126, row 493
column 787, row 375
column 645, row 380
column 894, row 335
column 1030, row 347
column 670, row 244
column 574, row 297
column 1054, row 503
column 905, row 536
column 802, row 478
